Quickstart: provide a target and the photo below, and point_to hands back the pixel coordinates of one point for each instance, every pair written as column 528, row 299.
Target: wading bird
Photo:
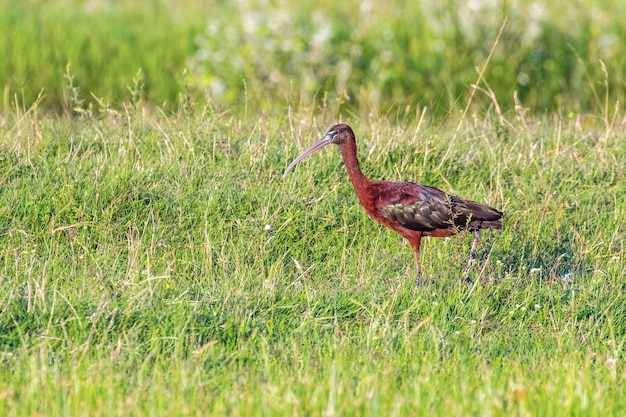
column 412, row 210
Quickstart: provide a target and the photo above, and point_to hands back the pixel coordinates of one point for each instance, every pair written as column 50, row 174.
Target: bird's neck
column 359, row 181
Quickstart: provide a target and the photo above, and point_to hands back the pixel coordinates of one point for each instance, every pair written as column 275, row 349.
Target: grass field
column 154, row 262
column 160, row 265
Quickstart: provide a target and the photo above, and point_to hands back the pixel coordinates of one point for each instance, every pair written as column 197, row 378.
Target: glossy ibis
column 412, row 210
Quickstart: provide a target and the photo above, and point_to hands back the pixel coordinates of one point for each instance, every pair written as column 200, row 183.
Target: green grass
column 105, row 43
column 154, row 262
column 354, row 57
column 138, row 277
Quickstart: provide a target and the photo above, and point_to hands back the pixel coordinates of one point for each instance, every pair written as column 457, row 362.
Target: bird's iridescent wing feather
column 416, row 207
column 422, row 208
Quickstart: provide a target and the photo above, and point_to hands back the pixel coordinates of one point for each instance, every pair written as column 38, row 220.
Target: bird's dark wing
column 416, row 207
column 422, row 208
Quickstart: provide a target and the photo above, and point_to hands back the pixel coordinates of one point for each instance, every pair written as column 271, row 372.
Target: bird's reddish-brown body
column 412, row 210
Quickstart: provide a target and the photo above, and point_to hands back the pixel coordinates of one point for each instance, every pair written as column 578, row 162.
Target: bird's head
column 338, row 134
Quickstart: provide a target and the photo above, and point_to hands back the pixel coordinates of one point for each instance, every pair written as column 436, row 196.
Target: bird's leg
column 472, row 256
column 418, row 280
column 415, row 244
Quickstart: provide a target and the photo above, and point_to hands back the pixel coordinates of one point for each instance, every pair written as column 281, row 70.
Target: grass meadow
column 153, row 261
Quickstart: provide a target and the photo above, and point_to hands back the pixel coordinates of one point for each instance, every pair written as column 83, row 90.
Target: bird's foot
column 418, row 280
column 466, row 279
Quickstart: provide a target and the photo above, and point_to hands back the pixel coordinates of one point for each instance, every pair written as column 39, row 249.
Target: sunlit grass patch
column 139, row 274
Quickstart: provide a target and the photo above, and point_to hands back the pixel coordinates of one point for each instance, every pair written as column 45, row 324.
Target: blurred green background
column 354, row 55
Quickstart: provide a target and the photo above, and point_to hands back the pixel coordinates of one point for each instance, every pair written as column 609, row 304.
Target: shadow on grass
column 552, row 258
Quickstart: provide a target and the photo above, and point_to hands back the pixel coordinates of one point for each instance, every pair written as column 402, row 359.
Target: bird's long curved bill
column 317, row 145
